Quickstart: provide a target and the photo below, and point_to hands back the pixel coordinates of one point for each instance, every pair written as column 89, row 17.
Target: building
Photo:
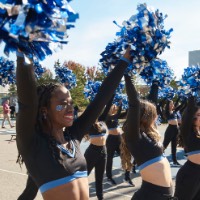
column 194, row 57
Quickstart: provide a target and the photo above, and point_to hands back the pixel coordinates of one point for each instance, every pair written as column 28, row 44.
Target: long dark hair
column 167, row 112
column 180, row 141
column 45, row 92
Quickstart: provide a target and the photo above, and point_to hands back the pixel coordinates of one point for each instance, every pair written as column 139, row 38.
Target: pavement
column 13, row 178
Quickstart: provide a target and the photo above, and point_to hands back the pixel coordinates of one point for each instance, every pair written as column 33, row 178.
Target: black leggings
column 112, row 144
column 171, row 136
column 188, row 182
column 149, row 191
column 30, row 191
column 96, row 157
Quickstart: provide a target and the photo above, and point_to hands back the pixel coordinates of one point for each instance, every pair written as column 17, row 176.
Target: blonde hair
column 125, row 155
column 148, row 115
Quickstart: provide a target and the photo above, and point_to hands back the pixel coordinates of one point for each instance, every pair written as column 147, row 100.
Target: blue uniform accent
column 66, row 151
column 99, row 135
column 126, row 60
column 113, row 128
column 52, row 184
column 193, row 152
column 149, row 162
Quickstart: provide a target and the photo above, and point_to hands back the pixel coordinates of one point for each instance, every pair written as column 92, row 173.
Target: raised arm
column 27, row 98
column 188, row 118
column 115, row 116
column 106, row 91
column 179, row 107
column 153, row 95
column 106, row 110
column 133, row 116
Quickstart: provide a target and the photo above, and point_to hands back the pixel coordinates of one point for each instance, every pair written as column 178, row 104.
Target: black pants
column 112, row 144
column 96, row 158
column 149, row 191
column 30, row 191
column 188, row 182
column 171, row 136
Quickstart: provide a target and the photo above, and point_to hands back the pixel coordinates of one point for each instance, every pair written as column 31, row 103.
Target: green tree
column 77, row 92
column 47, row 77
column 12, row 90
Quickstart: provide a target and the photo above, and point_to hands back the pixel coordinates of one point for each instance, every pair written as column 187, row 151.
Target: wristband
column 126, row 60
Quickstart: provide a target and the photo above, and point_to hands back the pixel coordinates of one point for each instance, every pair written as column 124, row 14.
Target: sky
column 95, row 29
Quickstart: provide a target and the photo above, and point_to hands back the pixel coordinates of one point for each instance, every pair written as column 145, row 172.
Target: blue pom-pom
column 121, row 99
column 7, row 72
column 157, row 70
column 33, row 25
column 91, row 89
column 190, row 81
column 166, row 93
column 144, row 33
column 65, row 76
column 39, row 69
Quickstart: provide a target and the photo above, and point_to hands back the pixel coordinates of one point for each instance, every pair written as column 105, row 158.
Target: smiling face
column 61, row 111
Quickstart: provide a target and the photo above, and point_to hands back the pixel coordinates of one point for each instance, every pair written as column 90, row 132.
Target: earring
column 44, row 116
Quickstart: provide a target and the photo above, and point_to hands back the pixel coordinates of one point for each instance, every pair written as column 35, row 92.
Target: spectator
column 6, row 113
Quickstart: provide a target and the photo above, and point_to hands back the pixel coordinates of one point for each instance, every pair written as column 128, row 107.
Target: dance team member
column 188, row 176
column 172, row 130
column 96, row 154
column 126, row 157
column 143, row 141
column 113, row 141
column 52, row 155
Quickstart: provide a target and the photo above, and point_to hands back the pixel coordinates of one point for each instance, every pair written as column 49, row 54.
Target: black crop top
column 103, row 129
column 191, row 141
column 33, row 146
column 111, row 121
column 175, row 114
column 142, row 147
column 172, row 116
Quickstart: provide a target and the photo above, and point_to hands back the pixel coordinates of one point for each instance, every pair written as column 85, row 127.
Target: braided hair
column 45, row 92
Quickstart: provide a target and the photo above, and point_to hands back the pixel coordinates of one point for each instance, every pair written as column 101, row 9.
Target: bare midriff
column 173, row 122
column 194, row 158
column 158, row 173
column 98, row 141
column 75, row 190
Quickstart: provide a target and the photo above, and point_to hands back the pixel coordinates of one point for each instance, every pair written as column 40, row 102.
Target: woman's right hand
column 127, row 54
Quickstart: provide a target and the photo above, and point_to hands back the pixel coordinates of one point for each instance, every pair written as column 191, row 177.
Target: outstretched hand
column 127, row 54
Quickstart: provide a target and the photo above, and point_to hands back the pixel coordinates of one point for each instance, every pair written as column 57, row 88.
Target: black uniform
column 96, row 158
column 145, row 150
column 188, row 177
column 46, row 172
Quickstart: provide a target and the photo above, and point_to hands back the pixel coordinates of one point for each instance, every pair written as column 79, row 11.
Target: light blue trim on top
column 99, row 135
column 193, row 152
column 52, row 184
column 19, row 54
column 150, row 162
column 66, row 151
column 126, row 60
column 113, row 128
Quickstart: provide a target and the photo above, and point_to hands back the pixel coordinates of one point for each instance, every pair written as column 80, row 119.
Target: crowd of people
column 56, row 131
column 51, row 150
column 49, row 130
